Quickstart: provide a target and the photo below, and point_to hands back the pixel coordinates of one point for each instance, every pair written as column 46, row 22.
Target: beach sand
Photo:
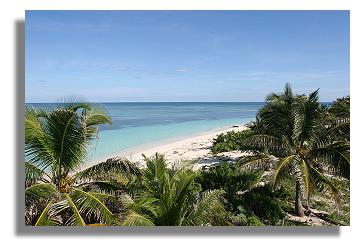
column 197, row 149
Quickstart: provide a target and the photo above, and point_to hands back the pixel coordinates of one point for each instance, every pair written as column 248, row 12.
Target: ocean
column 135, row 125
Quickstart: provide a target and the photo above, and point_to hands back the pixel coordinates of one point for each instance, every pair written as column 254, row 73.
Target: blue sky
column 184, row 55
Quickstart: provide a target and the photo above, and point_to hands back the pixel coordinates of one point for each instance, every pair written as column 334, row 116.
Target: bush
column 254, row 221
column 229, row 178
column 243, row 220
column 257, row 206
column 262, row 202
column 230, row 141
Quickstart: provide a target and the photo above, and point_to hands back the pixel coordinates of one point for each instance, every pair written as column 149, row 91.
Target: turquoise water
column 115, row 141
column 139, row 124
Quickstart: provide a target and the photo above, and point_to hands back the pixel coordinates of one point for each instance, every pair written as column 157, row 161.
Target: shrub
column 254, row 221
column 230, row 141
column 239, row 219
column 257, row 206
column 229, row 178
column 262, row 202
column 245, row 218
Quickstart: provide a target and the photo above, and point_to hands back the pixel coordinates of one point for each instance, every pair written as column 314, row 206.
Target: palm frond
column 103, row 196
column 75, row 105
column 37, row 151
column 145, row 206
column 107, row 168
column 135, row 219
column 106, row 186
column 76, row 218
column 276, row 115
column 59, row 138
column 182, row 183
column 254, row 162
column 67, row 136
column 43, row 191
column 92, row 207
column 336, row 132
column 207, row 209
column 341, row 108
column 56, row 140
column 33, row 174
column 156, row 176
column 281, row 166
column 306, row 117
column 96, row 116
column 155, row 167
column 336, row 156
column 269, row 143
column 45, row 219
column 321, row 181
column 143, row 209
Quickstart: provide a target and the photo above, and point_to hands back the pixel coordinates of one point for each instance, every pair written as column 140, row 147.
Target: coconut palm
column 172, row 198
column 294, row 139
column 340, row 108
column 56, row 145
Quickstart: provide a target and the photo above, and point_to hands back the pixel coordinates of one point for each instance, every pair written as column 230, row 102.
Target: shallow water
column 138, row 124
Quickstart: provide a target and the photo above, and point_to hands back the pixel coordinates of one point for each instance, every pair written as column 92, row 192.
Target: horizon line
column 59, row 102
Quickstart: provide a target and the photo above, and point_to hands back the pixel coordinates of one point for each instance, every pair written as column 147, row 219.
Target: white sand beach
column 197, row 148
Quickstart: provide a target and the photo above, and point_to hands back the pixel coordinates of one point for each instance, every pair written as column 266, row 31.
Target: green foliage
column 306, row 144
column 340, row 108
column 339, row 212
column 255, row 205
column 229, row 178
column 176, row 199
column 56, row 143
column 293, row 130
column 254, row 221
column 262, row 202
column 58, row 140
column 230, row 141
column 242, row 220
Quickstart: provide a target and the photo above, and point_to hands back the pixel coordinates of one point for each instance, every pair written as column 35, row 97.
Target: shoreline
column 189, row 148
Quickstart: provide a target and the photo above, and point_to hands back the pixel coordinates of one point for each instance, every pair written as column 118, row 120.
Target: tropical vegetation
column 295, row 164
column 302, row 142
column 171, row 197
column 230, row 141
column 292, row 135
column 57, row 191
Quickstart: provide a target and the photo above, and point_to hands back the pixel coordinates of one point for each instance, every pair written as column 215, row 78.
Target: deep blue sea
column 140, row 124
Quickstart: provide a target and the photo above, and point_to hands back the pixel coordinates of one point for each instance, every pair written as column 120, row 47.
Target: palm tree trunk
column 298, row 205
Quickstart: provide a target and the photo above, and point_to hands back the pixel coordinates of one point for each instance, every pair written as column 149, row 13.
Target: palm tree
column 56, row 145
column 293, row 137
column 341, row 107
column 172, row 198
